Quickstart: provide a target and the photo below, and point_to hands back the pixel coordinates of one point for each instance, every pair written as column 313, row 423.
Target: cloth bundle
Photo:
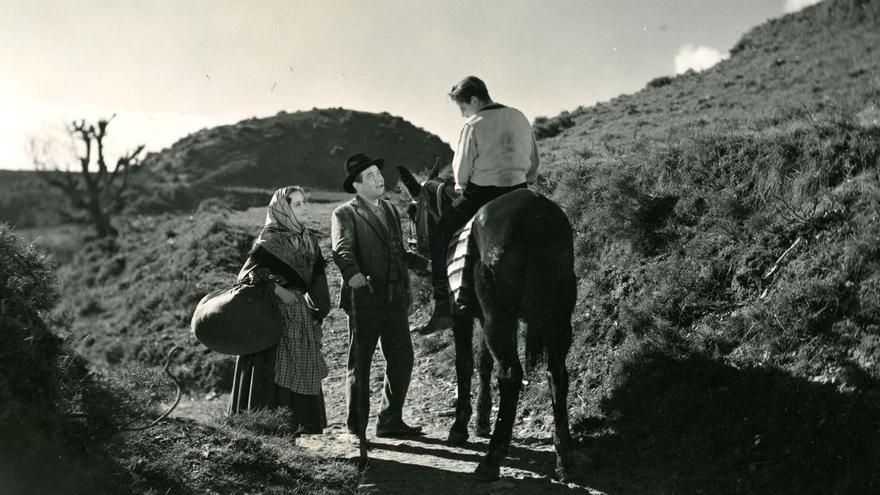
column 239, row 320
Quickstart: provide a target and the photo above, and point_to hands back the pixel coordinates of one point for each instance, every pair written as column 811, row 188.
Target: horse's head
column 430, row 199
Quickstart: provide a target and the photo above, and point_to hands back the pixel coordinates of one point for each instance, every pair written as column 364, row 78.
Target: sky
column 169, row 68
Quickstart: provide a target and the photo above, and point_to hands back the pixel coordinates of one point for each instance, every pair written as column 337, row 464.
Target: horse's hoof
column 457, row 437
column 484, row 431
column 486, row 471
column 569, row 465
column 563, row 472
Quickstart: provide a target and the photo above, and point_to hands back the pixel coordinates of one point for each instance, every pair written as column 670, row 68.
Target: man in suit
column 368, row 248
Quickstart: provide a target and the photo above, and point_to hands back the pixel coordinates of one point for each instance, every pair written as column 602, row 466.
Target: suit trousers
column 389, row 327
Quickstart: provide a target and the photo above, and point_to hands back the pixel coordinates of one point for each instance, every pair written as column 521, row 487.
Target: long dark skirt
column 254, row 387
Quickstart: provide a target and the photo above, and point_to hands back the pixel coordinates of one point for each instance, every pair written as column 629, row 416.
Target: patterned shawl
column 286, row 238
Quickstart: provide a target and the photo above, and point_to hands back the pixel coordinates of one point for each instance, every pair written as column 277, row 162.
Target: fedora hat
column 356, row 164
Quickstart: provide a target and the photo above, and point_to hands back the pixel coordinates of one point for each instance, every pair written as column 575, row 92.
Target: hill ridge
column 802, row 61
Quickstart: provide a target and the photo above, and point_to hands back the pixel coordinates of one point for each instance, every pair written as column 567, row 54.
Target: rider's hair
column 468, row 87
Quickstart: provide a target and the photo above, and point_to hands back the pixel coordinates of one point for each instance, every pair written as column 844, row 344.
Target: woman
column 288, row 374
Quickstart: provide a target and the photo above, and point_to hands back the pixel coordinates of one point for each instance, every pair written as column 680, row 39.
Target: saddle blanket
column 459, row 266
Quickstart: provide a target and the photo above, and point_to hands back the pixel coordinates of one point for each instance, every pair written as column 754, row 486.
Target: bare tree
column 95, row 192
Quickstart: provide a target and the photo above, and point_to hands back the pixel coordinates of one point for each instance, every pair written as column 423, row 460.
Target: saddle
column 459, row 267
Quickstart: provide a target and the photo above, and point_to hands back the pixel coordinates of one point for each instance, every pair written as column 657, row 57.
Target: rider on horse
column 496, row 154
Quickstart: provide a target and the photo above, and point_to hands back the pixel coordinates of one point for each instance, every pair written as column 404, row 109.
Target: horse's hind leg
column 500, row 335
column 557, row 375
column 484, row 396
column 463, row 331
column 551, row 318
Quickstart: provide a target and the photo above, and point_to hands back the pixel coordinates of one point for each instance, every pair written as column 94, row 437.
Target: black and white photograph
column 434, row 247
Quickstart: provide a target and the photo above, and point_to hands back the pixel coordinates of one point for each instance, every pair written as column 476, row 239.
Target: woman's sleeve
column 318, row 295
column 279, row 268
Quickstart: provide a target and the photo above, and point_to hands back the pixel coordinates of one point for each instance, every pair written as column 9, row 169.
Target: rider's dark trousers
column 463, row 208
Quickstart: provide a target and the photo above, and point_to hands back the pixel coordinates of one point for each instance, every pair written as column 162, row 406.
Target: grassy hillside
column 26, row 201
column 815, row 60
column 727, row 334
column 64, row 428
column 693, row 216
column 133, row 298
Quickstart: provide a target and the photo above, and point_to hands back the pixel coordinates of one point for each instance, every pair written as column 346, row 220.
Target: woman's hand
column 358, row 280
column 288, row 296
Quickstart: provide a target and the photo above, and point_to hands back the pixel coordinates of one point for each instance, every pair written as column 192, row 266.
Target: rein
column 439, row 198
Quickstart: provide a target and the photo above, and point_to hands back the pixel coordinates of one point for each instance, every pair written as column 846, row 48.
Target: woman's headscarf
column 285, row 237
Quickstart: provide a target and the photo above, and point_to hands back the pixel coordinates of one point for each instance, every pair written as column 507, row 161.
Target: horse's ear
column 410, row 182
column 436, row 170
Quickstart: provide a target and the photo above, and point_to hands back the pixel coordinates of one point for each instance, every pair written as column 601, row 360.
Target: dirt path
column 421, row 465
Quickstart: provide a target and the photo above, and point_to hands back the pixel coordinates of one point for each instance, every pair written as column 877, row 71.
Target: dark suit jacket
column 361, row 245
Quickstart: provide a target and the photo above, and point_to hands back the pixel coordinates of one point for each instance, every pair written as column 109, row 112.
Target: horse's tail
column 536, row 348
column 550, row 275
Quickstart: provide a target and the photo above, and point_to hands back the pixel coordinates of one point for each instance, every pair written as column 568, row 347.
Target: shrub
column 548, row 127
column 677, row 235
column 55, row 415
column 29, row 390
column 659, row 82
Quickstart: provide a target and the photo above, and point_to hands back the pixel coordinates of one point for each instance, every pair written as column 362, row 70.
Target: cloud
column 795, row 5
column 697, row 58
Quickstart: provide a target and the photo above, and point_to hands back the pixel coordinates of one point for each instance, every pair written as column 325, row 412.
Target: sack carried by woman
column 240, row 320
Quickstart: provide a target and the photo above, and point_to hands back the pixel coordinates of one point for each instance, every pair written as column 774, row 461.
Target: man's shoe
column 302, row 430
column 400, row 430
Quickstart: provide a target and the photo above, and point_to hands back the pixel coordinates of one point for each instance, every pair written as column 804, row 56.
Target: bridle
column 419, row 228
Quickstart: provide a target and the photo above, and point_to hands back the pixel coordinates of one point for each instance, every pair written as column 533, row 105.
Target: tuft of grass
column 183, row 456
column 276, row 422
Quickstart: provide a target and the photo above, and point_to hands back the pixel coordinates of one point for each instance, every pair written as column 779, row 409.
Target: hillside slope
column 244, row 162
column 306, row 148
column 65, row 428
column 25, row 201
column 727, row 333
column 821, row 57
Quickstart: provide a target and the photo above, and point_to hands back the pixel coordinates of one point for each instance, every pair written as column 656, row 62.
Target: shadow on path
column 397, row 477
column 697, row 425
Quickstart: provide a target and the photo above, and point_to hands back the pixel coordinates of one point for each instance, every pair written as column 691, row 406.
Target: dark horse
column 523, row 267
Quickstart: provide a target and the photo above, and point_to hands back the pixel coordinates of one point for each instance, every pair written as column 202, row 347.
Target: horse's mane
column 446, row 174
column 433, row 184
column 444, row 177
